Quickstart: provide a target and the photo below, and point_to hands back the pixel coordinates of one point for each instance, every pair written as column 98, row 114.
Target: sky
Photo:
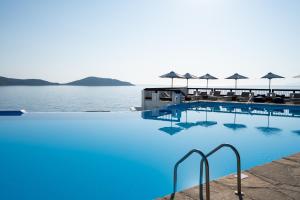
column 138, row 40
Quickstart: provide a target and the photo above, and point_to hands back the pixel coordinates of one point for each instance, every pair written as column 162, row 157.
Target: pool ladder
column 204, row 160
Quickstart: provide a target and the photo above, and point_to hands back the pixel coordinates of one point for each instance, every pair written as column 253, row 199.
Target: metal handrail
column 238, row 160
column 204, row 159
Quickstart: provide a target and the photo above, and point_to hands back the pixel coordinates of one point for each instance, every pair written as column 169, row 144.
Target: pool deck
column 278, row 180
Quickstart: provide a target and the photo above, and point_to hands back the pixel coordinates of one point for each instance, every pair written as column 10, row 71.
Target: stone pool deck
column 278, row 180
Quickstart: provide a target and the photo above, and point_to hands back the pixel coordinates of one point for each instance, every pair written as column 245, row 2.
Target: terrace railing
column 256, row 91
column 285, row 92
column 238, row 91
column 198, row 90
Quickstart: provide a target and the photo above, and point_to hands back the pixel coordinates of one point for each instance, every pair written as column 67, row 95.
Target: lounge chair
column 191, row 97
column 271, row 94
column 165, row 96
column 203, row 95
column 245, row 96
column 270, row 97
column 295, row 98
column 229, row 97
column 216, row 96
column 278, row 99
column 259, row 99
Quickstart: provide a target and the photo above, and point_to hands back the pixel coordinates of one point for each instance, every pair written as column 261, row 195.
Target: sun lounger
column 216, row 95
column 165, row 96
column 259, row 99
column 295, row 98
column 203, row 95
column 245, row 96
column 270, row 97
column 229, row 96
column 278, row 100
column 191, row 97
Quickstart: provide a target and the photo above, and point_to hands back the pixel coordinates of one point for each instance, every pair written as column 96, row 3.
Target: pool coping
column 277, row 180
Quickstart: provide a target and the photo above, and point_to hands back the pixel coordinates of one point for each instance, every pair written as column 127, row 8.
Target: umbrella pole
column 172, row 82
column 206, row 85
column 187, row 82
column 269, row 85
column 235, row 84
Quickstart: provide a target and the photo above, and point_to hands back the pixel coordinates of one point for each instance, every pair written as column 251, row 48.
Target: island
column 89, row 81
column 96, row 81
column 26, row 82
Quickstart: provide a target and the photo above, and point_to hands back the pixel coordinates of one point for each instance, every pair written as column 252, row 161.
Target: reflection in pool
column 176, row 113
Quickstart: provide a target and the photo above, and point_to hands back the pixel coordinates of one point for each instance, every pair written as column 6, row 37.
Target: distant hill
column 89, row 81
column 28, row 82
column 96, row 81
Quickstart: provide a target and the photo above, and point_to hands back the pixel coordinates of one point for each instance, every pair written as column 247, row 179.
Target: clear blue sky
column 138, row 40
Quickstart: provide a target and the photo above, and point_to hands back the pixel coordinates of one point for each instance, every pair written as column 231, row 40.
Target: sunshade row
column 235, row 76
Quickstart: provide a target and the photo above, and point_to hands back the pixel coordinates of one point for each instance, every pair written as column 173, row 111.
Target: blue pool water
column 131, row 155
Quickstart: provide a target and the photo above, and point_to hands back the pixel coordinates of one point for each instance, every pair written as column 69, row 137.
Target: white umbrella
column 207, row 77
column 236, row 76
column 171, row 75
column 270, row 76
column 188, row 76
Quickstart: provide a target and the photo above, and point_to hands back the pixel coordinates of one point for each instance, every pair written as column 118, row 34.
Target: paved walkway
column 278, row 180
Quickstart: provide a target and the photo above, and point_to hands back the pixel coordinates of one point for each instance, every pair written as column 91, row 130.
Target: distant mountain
column 89, row 81
column 28, row 82
column 96, row 81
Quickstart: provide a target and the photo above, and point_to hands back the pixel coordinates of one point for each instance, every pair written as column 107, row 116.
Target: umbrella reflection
column 186, row 124
column 171, row 130
column 297, row 132
column 267, row 130
column 206, row 123
column 234, row 126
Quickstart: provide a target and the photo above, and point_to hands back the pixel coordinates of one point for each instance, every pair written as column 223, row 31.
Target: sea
column 75, row 98
column 69, row 98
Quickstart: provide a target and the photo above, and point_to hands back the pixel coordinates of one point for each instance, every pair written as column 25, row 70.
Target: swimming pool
column 131, row 155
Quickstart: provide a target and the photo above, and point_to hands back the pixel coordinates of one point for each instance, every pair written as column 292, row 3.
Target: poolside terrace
column 159, row 97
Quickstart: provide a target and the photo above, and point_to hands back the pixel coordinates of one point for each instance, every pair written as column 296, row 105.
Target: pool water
column 131, row 155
